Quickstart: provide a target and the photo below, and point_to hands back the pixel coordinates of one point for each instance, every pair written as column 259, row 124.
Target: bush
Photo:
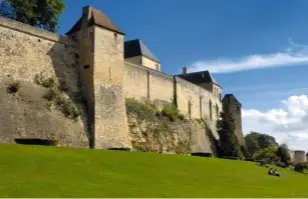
column 281, row 164
column 13, row 87
column 300, row 167
column 141, row 110
column 171, row 112
column 51, row 94
column 63, row 86
column 47, row 82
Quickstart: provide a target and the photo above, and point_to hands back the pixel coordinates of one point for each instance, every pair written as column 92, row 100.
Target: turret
column 102, row 74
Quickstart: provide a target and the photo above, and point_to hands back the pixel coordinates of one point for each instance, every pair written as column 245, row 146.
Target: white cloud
column 288, row 123
column 294, row 55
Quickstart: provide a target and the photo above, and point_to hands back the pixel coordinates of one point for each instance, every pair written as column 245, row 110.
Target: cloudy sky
column 256, row 49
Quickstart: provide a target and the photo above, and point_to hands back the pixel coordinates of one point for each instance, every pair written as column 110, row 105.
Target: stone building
column 94, row 58
column 233, row 106
column 298, row 156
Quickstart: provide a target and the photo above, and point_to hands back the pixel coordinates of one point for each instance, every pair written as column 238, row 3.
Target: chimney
column 87, row 11
column 184, row 70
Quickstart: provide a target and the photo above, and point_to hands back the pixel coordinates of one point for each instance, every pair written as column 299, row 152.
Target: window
column 211, row 111
column 115, row 35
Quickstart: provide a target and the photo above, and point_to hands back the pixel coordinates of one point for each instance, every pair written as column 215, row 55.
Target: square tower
column 102, row 75
column 233, row 106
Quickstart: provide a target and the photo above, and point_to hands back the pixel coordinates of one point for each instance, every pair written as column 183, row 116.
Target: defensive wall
column 26, row 51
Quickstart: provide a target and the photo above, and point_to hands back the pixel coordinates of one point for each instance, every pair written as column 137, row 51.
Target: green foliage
column 171, row 111
column 257, row 141
column 55, row 95
column 283, row 153
column 144, row 111
column 13, row 87
column 268, row 155
column 244, row 152
column 281, row 164
column 39, row 13
column 228, row 143
column 300, row 167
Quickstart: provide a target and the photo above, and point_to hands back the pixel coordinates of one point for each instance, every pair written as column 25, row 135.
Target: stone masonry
column 96, row 62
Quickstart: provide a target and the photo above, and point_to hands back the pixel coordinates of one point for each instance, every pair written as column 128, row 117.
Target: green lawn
column 33, row 171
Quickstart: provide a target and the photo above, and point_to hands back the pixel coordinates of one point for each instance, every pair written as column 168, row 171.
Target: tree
column 283, row 153
column 228, row 143
column 268, row 154
column 258, row 141
column 39, row 13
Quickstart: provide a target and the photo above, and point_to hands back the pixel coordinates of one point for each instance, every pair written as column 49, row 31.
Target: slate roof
column 97, row 18
column 231, row 97
column 199, row 77
column 136, row 47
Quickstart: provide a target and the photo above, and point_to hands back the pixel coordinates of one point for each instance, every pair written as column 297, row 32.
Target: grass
column 36, row 171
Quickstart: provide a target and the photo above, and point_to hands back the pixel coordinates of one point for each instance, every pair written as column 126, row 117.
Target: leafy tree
column 300, row 167
column 283, row 153
column 228, row 143
column 258, row 141
column 268, row 154
column 39, row 13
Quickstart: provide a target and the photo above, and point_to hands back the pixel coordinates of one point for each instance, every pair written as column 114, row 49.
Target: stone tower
column 233, row 106
column 102, row 73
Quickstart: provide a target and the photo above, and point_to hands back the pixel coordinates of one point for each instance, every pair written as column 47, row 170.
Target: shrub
column 63, row 86
column 281, row 164
column 13, row 87
column 141, row 110
column 51, row 94
column 47, row 82
column 171, row 112
column 300, row 167
column 181, row 117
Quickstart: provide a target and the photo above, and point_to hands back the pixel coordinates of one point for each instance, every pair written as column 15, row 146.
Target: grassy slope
column 32, row 171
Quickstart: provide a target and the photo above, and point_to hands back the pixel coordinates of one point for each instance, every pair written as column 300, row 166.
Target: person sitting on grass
column 276, row 173
column 271, row 172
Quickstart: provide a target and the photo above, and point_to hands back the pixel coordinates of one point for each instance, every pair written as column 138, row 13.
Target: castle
column 94, row 59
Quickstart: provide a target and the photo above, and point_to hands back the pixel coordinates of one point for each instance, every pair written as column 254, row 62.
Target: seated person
column 271, row 172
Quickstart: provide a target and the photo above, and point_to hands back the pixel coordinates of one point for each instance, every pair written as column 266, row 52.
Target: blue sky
column 255, row 49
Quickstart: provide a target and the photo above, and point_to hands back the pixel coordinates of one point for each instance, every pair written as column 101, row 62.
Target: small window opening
column 86, row 66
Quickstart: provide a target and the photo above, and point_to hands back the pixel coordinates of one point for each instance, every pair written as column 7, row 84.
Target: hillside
column 35, row 171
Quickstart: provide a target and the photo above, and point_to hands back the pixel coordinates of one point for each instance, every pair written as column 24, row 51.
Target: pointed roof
column 98, row 18
column 135, row 48
column 230, row 97
column 199, row 77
